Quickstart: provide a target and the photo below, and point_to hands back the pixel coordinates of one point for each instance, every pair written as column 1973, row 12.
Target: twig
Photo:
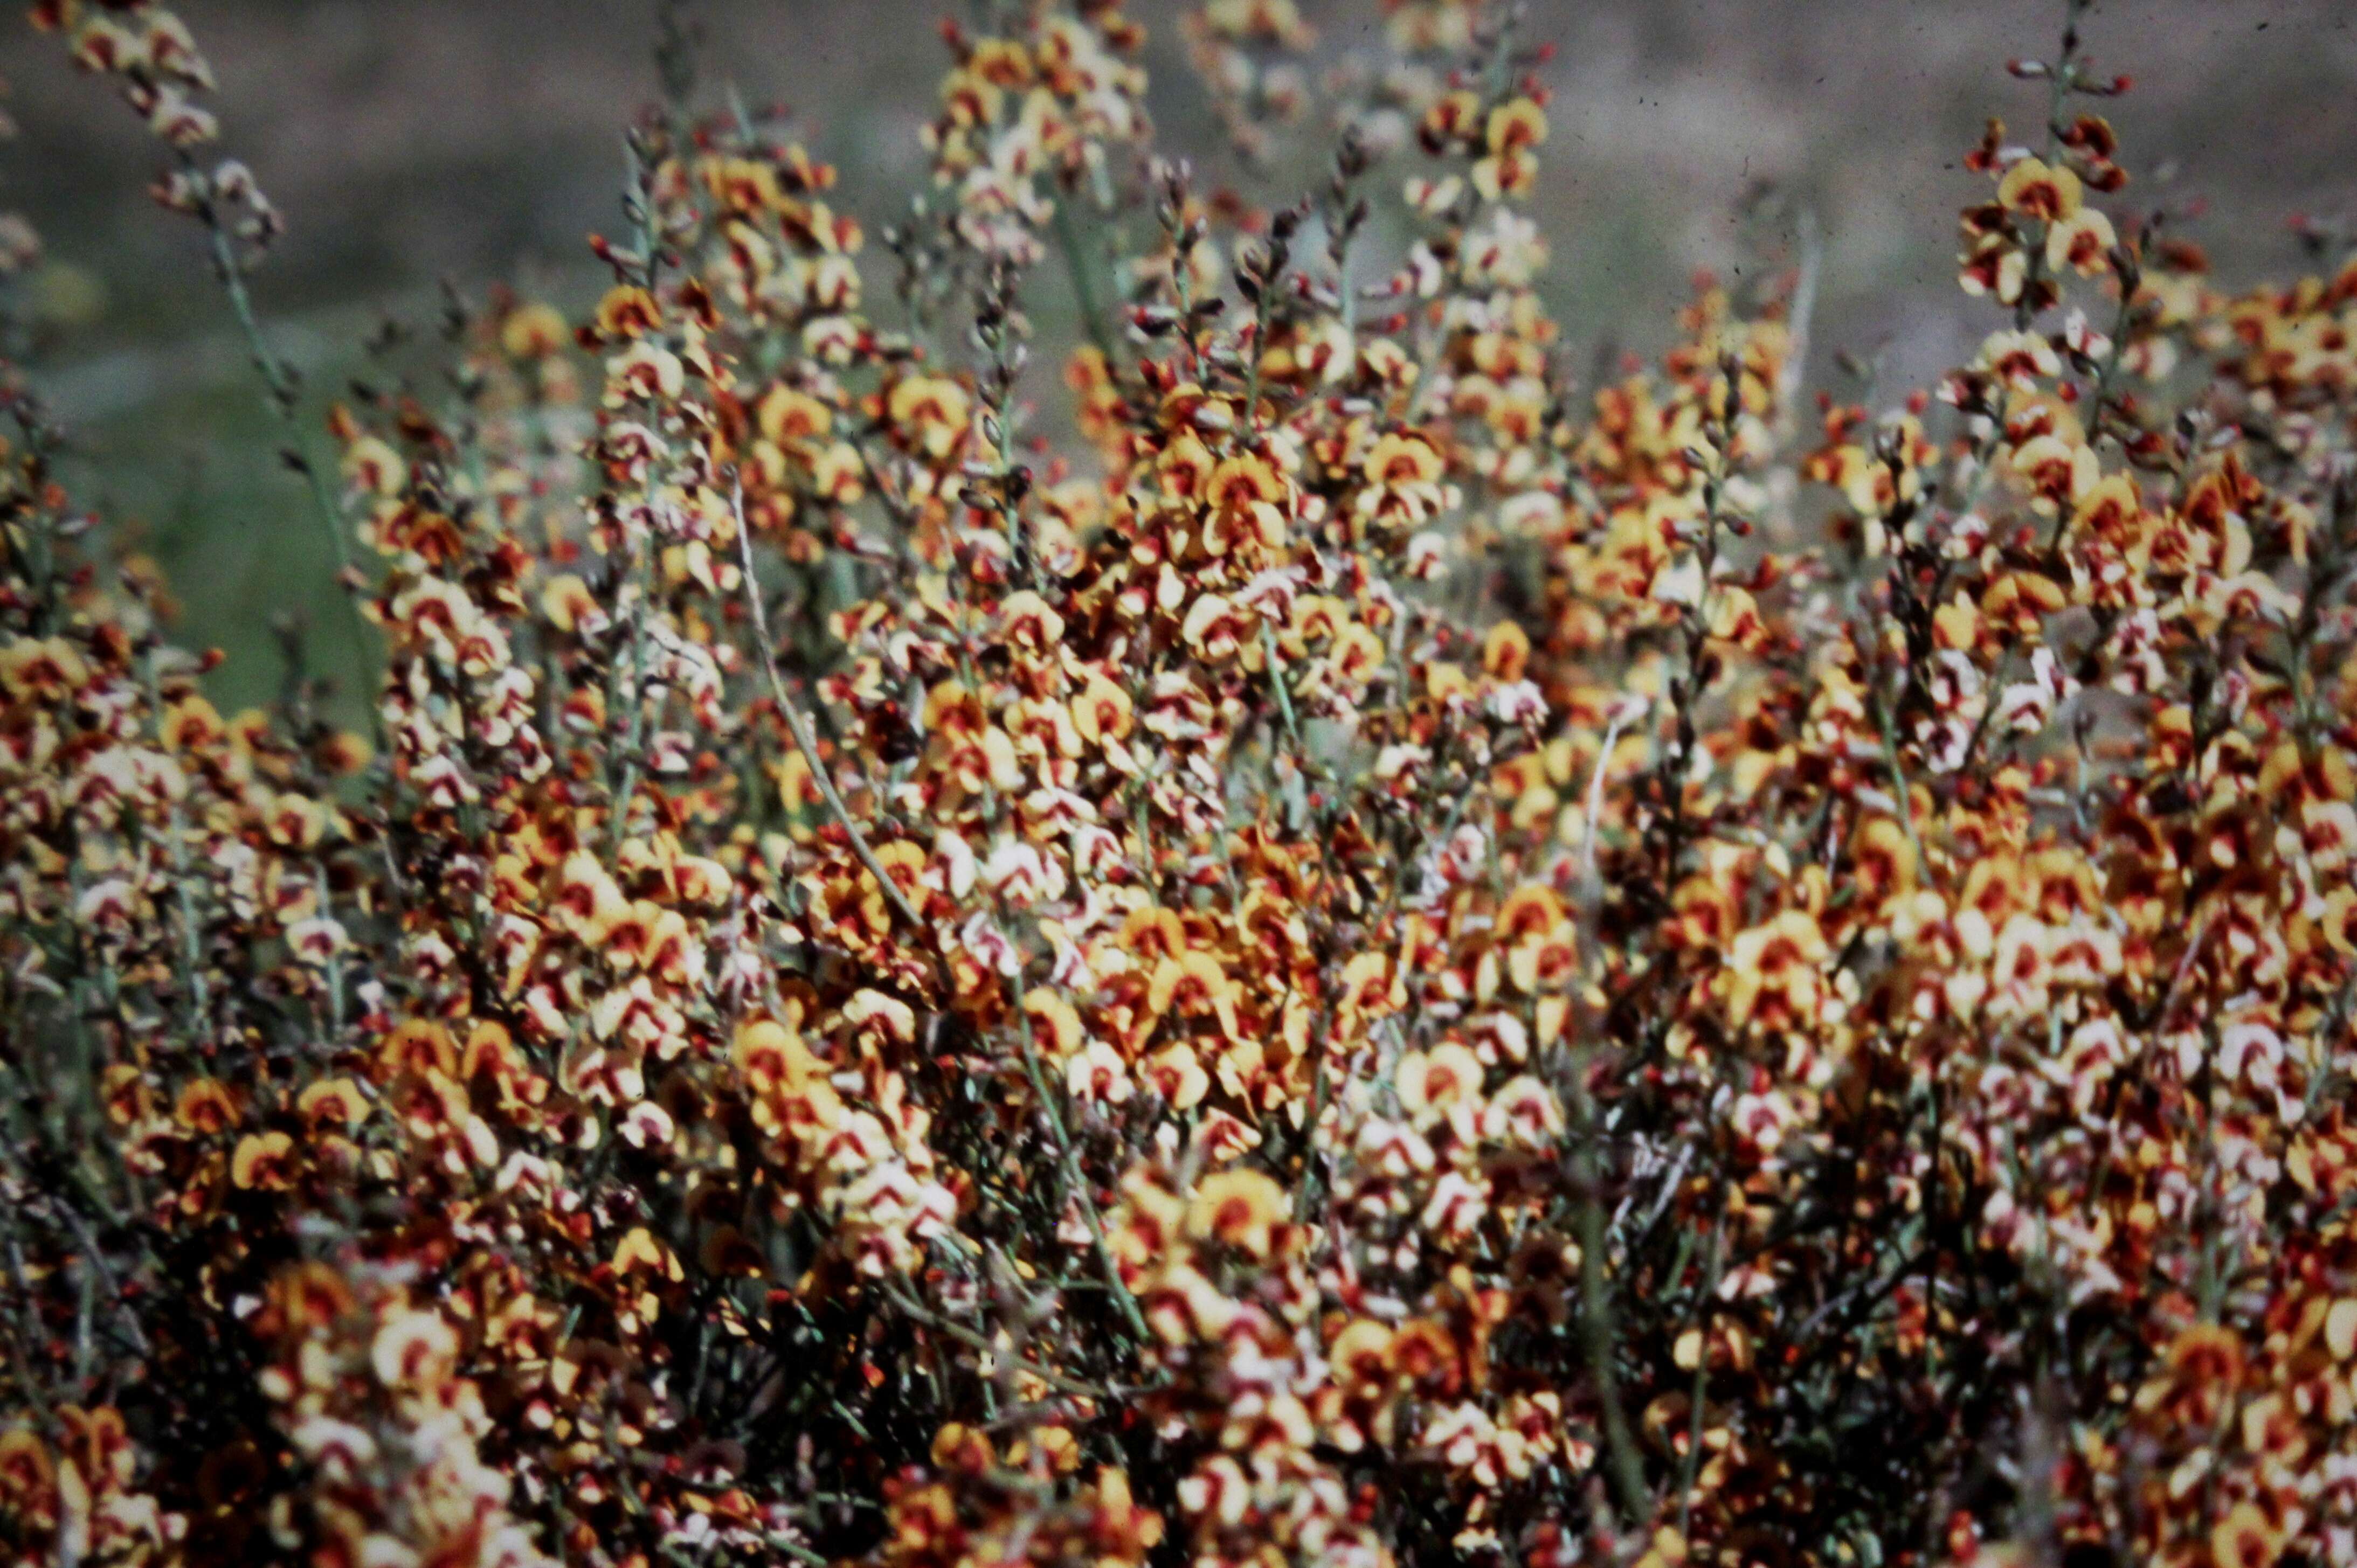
column 2184, row 967
column 1898, row 785
column 280, row 393
column 1594, row 802
column 1305, row 1195
column 104, row 1271
column 277, row 385
column 960, row 1332
column 1626, row 1469
column 1693, row 1464
column 1074, row 1178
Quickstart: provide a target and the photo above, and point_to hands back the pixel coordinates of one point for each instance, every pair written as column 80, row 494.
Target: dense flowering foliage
column 1336, row 948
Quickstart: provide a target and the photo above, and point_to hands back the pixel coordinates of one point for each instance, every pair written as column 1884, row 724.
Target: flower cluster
column 1384, row 958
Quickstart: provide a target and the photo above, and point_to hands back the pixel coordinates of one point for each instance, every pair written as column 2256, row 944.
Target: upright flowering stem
column 807, row 743
column 1075, row 1177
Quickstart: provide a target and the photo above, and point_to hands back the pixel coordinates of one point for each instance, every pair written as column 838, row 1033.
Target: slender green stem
column 965, row 1336
column 1625, row 1468
column 1074, row 1176
column 1898, row 785
column 807, row 743
column 626, row 783
column 1693, row 1464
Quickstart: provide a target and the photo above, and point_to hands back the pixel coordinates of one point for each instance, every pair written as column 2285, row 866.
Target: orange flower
column 331, row 1104
column 1194, row 985
column 415, row 1351
column 1177, row 1076
column 2035, row 190
column 1055, row 1023
column 626, row 313
column 1774, row 976
column 1242, row 1207
column 204, row 1107
column 42, row 669
column 771, row 1058
column 1515, row 125
column 2244, row 1537
column 2082, row 242
column 1215, row 628
column 264, row 1162
column 1248, row 494
column 791, row 416
column 417, row 1046
column 1102, row 712
column 1372, row 989
column 27, row 1475
column 532, row 331
column 1506, row 651
column 1361, row 1354
column 1434, row 1084
column 931, row 413
column 1401, row 460
column 639, row 1253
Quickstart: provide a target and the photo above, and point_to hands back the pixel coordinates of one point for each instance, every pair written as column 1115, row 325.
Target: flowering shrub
column 1386, row 959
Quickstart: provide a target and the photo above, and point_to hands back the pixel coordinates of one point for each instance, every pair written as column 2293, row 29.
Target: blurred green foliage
column 410, row 140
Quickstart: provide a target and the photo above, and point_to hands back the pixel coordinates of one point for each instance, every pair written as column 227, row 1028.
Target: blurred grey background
column 408, row 141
